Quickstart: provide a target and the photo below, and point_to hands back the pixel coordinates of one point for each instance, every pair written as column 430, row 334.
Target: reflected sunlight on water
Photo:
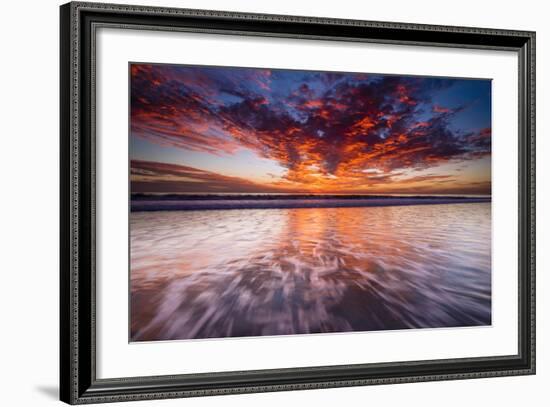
column 252, row 272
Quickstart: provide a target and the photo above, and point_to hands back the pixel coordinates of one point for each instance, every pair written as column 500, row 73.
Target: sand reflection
column 230, row 273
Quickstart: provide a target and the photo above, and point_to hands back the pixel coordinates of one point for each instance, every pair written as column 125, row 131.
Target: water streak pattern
column 254, row 272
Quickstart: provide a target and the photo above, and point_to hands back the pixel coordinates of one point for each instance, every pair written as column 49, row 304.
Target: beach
column 353, row 266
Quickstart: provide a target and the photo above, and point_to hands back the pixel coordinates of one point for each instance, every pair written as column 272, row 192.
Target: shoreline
column 150, row 205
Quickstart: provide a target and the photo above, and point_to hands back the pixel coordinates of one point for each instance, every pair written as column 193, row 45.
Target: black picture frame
column 78, row 382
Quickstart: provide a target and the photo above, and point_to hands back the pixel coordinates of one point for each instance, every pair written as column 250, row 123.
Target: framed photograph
column 255, row 203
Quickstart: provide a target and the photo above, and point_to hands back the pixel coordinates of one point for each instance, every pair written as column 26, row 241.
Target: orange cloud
column 325, row 132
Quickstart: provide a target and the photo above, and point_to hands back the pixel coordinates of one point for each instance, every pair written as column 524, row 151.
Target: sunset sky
column 197, row 129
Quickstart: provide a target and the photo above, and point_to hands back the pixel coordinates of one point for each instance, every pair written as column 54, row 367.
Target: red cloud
column 323, row 134
column 440, row 109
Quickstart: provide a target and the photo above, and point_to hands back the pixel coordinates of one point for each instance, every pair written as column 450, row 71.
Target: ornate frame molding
column 79, row 21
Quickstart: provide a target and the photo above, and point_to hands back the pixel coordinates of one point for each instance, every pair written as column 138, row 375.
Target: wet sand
column 252, row 272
